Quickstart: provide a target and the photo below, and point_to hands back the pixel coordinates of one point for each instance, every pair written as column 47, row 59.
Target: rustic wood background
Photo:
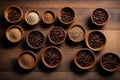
column 9, row 70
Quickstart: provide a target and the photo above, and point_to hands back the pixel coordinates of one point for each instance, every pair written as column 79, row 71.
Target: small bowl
column 57, row 35
column 66, row 15
column 14, row 33
column 35, row 39
column 84, row 59
column 27, row 60
column 48, row 17
column 13, row 14
column 53, row 59
column 98, row 42
column 32, row 17
column 110, row 62
column 76, row 33
column 99, row 16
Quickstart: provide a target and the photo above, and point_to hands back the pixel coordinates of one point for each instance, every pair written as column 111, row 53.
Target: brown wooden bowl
column 76, row 33
column 84, row 59
column 35, row 39
column 34, row 15
column 13, row 14
column 99, row 16
column 49, row 60
column 55, row 37
column 66, row 15
column 48, row 17
column 110, row 62
column 95, row 42
column 27, row 60
column 12, row 33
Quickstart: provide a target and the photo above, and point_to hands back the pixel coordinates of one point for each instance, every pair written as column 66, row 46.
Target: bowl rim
column 15, row 26
column 84, row 30
column 103, row 22
column 59, row 15
column 29, row 43
column 109, row 70
column 43, row 60
column 53, row 14
column 53, row 41
column 87, row 67
column 32, row 10
column 6, row 13
column 30, row 53
column 86, row 40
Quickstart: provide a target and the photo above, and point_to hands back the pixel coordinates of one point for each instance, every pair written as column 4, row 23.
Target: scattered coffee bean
column 52, row 56
column 36, row 39
column 110, row 61
column 14, row 15
column 100, row 16
column 57, row 35
column 85, row 58
column 96, row 40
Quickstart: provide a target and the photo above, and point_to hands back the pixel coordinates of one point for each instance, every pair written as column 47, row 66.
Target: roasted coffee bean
column 52, row 56
column 110, row 61
column 67, row 16
column 35, row 39
column 96, row 40
column 14, row 15
column 57, row 35
column 84, row 58
column 100, row 16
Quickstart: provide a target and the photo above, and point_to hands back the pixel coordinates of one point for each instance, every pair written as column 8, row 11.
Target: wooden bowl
column 66, row 15
column 84, row 59
column 27, row 60
column 14, row 33
column 76, row 33
column 57, row 35
column 32, row 17
column 99, row 16
column 35, row 39
column 110, row 62
column 95, row 40
column 13, row 14
column 48, row 17
column 51, row 57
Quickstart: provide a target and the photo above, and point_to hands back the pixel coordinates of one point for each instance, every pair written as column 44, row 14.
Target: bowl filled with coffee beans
column 84, row 59
column 110, row 62
column 14, row 33
column 32, row 17
column 76, row 33
column 48, row 17
column 66, row 15
column 95, row 40
column 99, row 16
column 51, row 57
column 35, row 39
column 13, row 14
column 57, row 35
column 27, row 60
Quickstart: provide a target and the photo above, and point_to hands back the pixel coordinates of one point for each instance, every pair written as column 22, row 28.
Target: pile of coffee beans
column 52, row 56
column 96, row 40
column 67, row 15
column 85, row 58
column 110, row 61
column 35, row 39
column 14, row 15
column 100, row 16
column 57, row 35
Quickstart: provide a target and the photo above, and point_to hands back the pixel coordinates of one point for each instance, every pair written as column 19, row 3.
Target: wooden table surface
column 9, row 70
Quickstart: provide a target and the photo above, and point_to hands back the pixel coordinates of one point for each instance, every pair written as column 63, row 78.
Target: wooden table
column 9, row 70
